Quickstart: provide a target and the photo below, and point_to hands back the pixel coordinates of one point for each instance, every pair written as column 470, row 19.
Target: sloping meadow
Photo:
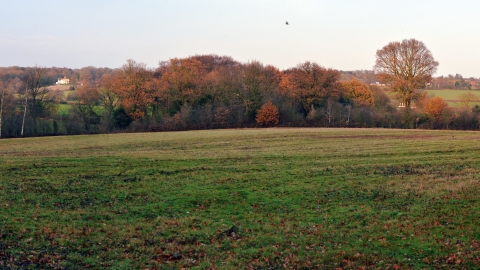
column 253, row 198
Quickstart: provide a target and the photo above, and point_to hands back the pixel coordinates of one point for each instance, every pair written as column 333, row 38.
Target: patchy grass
column 256, row 198
column 59, row 87
column 452, row 96
column 64, row 109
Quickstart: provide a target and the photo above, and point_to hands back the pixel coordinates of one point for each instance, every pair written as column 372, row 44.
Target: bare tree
column 7, row 103
column 253, row 87
column 1, row 105
column 107, row 98
column 329, row 111
column 467, row 98
column 349, row 108
column 34, row 88
column 24, row 108
column 88, row 98
column 407, row 67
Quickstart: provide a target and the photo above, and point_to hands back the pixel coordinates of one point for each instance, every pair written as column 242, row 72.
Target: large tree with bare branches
column 407, row 67
column 2, row 95
column 34, row 83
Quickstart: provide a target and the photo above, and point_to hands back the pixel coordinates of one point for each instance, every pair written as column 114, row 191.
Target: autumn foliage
column 436, row 107
column 310, row 84
column 267, row 115
column 211, row 91
column 406, row 66
column 135, row 87
column 358, row 92
column 182, row 78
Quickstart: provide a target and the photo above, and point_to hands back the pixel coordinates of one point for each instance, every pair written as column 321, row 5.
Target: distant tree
column 88, row 98
column 24, row 108
column 436, row 107
column 358, row 92
column 407, row 67
column 267, row 115
column 121, row 119
column 310, row 84
column 107, row 98
column 90, row 74
column 8, row 108
column 180, row 80
column 466, row 118
column 365, row 76
column 467, row 98
column 381, row 99
column 2, row 96
column 134, row 87
column 214, row 62
column 257, row 81
column 253, row 88
column 35, row 90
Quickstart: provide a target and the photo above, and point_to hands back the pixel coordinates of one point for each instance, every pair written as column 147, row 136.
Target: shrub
column 436, row 107
column 222, row 117
column 121, row 119
column 267, row 115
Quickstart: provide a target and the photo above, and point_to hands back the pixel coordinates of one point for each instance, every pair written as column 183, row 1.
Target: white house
column 63, row 81
column 378, row 84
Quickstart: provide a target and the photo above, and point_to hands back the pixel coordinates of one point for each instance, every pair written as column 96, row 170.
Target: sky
column 339, row 34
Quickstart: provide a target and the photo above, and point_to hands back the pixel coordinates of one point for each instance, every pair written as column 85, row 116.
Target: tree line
column 211, row 91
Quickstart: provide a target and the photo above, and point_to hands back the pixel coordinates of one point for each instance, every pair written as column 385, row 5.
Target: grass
column 229, row 199
column 451, row 96
column 64, row 109
column 59, row 87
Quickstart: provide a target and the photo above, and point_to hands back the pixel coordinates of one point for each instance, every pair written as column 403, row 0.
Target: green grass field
column 452, row 96
column 237, row 199
column 64, row 109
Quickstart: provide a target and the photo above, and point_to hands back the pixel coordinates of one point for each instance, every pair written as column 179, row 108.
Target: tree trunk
column 348, row 116
column 24, row 111
column 1, row 111
column 328, row 112
column 34, row 112
column 109, row 120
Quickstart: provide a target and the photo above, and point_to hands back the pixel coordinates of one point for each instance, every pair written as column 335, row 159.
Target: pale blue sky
column 341, row 34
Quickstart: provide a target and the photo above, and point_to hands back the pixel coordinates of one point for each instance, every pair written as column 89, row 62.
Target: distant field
column 452, row 96
column 63, row 109
column 58, row 87
column 235, row 199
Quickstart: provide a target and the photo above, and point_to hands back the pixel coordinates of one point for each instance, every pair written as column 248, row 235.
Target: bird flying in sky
column 287, row 23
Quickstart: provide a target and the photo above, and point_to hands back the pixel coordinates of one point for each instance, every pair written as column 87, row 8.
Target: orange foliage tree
column 358, row 92
column 181, row 80
column 310, row 84
column 267, row 115
column 134, row 86
column 436, row 107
